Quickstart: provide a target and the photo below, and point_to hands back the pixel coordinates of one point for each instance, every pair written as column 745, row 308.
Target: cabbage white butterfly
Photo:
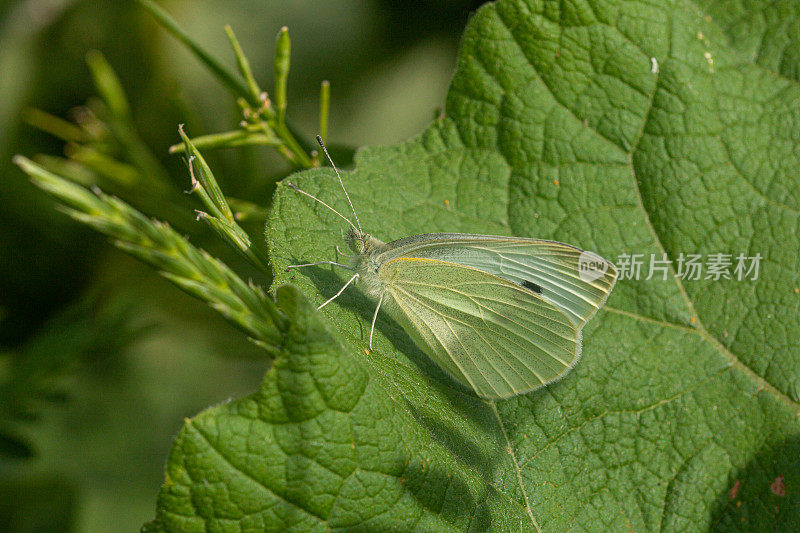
column 502, row 315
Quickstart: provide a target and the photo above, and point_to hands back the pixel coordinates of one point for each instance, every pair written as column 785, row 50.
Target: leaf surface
column 682, row 414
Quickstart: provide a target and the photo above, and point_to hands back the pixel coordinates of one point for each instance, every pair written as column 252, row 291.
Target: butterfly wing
column 575, row 281
column 493, row 335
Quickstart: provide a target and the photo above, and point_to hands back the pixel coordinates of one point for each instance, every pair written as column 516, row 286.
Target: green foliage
column 105, row 150
column 263, row 119
column 193, row 270
column 683, row 414
column 557, row 127
column 37, row 374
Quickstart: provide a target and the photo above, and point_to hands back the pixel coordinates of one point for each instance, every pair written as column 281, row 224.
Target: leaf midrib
column 510, row 450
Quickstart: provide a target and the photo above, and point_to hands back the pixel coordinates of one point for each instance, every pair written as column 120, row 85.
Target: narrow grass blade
column 223, row 74
column 192, row 269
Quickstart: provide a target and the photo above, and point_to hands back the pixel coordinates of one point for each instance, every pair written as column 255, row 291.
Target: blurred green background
column 100, row 358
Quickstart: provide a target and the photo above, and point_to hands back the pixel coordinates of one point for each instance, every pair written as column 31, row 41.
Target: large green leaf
column 683, row 413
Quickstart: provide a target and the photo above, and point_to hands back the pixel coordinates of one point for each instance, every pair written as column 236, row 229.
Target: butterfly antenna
column 301, row 191
column 322, row 144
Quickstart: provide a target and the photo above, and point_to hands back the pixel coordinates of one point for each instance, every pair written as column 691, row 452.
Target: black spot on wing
column 531, row 286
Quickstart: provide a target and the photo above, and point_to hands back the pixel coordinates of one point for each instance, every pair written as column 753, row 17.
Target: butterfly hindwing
column 495, row 336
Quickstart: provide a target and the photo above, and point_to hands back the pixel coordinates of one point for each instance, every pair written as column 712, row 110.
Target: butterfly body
column 365, row 262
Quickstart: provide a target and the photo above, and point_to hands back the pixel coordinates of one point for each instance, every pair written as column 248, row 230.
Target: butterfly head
column 357, row 240
column 362, row 243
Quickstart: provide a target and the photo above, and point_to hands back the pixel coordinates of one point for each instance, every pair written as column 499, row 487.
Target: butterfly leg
column 348, row 267
column 332, row 298
column 374, row 317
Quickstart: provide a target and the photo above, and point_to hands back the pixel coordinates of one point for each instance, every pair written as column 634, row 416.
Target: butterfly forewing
column 550, row 269
column 493, row 335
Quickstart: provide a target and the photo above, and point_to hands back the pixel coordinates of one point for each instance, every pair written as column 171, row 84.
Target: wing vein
column 509, row 339
column 568, row 324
